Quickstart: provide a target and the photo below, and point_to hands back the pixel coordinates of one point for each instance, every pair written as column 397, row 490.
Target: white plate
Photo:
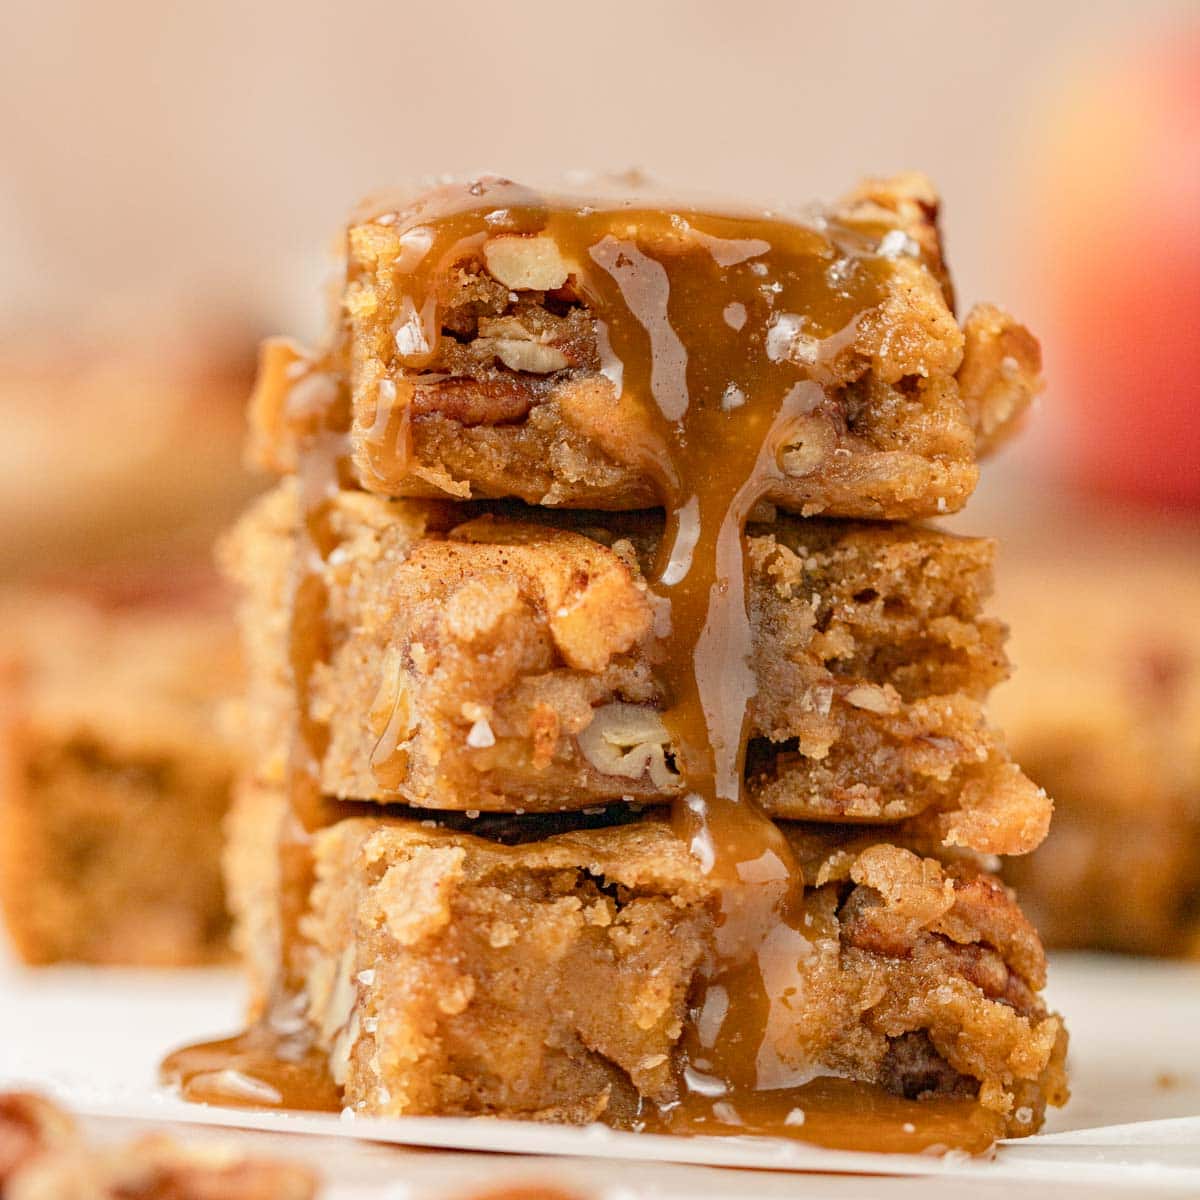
column 94, row 1038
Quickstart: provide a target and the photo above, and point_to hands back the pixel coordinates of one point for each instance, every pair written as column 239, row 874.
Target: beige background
column 201, row 154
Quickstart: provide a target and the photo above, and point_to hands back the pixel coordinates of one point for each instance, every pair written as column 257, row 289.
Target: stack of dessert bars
column 454, row 862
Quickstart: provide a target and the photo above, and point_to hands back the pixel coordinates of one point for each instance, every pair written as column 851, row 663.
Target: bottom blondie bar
column 454, row 974
column 114, row 780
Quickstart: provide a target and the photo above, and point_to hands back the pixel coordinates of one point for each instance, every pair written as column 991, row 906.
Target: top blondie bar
column 496, row 342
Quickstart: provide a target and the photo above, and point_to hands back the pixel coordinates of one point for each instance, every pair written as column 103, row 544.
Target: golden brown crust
column 912, row 202
column 1001, row 373
column 119, row 449
column 250, row 872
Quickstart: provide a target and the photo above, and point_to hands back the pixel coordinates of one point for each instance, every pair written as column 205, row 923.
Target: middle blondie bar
column 495, row 664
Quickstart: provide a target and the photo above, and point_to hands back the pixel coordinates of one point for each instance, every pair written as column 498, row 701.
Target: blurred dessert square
column 120, row 446
column 1103, row 710
column 44, row 1155
column 121, row 461
column 116, row 774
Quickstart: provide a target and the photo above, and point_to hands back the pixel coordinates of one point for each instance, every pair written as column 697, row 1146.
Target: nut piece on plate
column 157, row 1168
column 119, row 449
column 44, row 1157
column 29, row 1126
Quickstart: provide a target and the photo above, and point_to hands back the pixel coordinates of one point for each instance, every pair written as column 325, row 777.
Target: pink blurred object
column 1116, row 246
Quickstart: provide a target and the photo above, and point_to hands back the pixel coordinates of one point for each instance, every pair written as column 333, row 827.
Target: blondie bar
column 115, row 780
column 497, row 664
column 497, row 342
column 556, row 979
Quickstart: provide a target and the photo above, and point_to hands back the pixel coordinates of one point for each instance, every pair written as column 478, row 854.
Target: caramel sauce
column 261, row 1068
column 841, row 1114
column 275, row 1064
column 722, row 329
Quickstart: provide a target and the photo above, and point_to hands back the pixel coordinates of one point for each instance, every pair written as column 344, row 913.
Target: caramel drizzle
column 721, row 329
column 275, row 1063
column 698, row 321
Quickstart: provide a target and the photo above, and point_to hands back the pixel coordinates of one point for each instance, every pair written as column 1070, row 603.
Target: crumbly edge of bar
column 1120, row 869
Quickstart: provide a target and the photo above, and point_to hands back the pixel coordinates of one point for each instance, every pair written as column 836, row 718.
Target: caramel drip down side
column 717, row 328
column 275, row 1063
